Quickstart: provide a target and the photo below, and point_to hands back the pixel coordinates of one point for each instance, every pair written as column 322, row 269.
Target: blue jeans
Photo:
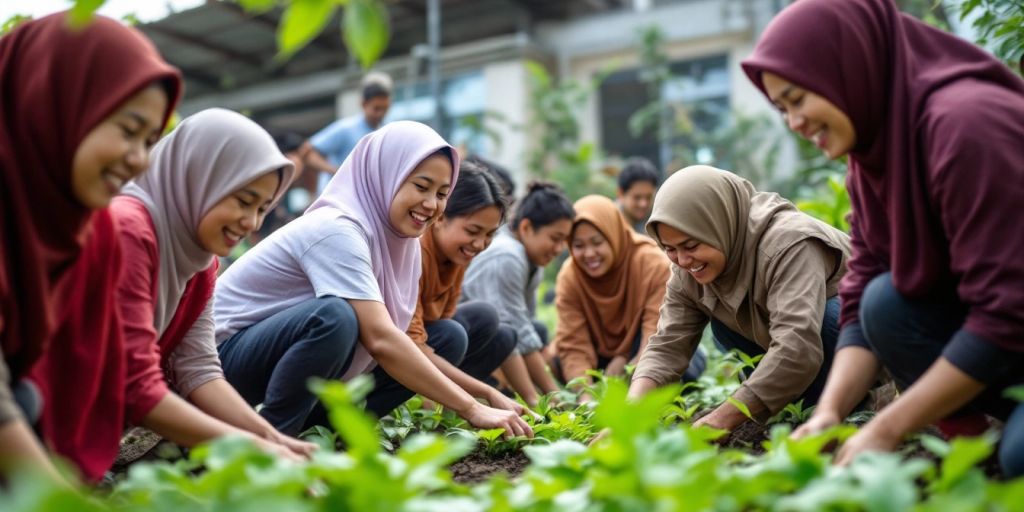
column 909, row 335
column 271, row 361
column 727, row 339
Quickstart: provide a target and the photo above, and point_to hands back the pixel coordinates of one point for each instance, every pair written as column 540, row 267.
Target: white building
column 227, row 58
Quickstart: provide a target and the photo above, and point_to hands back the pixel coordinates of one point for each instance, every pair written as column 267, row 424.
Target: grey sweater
column 503, row 277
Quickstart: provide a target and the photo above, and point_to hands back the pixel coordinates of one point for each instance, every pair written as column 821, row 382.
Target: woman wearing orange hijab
column 609, row 293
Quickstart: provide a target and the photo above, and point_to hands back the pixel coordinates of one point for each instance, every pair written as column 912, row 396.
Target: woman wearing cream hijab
column 763, row 274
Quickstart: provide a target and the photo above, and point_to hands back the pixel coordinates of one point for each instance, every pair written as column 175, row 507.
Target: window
column 462, row 104
column 700, row 87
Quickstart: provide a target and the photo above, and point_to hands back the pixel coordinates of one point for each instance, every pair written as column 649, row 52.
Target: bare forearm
column 179, row 421
column 641, row 386
column 462, row 379
column 519, row 378
column 942, row 389
column 403, row 361
column 19, row 448
column 539, row 372
column 317, row 161
column 220, row 400
column 853, row 372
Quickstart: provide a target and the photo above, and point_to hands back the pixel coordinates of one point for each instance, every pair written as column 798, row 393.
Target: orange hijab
column 613, row 304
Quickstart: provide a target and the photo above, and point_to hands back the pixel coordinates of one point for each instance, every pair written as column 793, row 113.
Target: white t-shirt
column 319, row 254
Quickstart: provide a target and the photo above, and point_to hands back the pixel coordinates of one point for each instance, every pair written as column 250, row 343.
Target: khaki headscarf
column 613, row 304
column 724, row 211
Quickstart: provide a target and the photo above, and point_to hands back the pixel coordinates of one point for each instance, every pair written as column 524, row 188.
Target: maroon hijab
column 61, row 261
column 56, row 85
column 920, row 101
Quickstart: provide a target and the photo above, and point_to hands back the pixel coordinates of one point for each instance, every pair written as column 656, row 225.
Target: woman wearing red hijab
column 79, row 109
column 932, row 128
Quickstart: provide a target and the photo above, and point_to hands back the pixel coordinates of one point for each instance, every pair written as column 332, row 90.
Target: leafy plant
column 365, row 27
column 999, row 25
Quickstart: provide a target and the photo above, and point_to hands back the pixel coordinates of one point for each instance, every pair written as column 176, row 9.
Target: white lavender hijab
column 209, row 155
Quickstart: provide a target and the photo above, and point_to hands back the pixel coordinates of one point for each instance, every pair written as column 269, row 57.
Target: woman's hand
column 482, row 416
column 873, row 437
column 820, row 421
column 301, row 448
column 616, row 367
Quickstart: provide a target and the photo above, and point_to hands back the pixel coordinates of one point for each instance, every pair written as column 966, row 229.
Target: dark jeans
column 271, row 361
column 29, row 400
column 727, row 339
column 909, row 335
column 469, row 341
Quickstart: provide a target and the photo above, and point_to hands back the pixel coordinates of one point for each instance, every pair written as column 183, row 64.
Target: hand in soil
column 616, row 367
column 725, row 417
column 870, row 438
column 820, row 421
column 499, row 401
column 482, row 416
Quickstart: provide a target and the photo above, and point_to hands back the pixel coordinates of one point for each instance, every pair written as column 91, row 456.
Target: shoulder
column 132, row 218
column 972, row 110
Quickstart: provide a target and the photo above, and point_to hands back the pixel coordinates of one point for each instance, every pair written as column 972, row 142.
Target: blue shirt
column 337, row 140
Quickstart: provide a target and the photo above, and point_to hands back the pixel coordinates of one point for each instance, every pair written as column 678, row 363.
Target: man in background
column 329, row 147
column 638, row 182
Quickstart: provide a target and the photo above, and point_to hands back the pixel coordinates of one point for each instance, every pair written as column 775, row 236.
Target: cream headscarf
column 207, row 157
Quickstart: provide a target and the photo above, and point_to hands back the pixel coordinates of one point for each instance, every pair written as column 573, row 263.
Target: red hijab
column 55, row 86
column 919, row 99
column 61, row 261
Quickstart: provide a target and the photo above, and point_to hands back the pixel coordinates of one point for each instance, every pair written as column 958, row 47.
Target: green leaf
column 1015, row 393
column 366, row 30
column 302, row 21
column 741, row 406
column 83, row 10
column 257, row 6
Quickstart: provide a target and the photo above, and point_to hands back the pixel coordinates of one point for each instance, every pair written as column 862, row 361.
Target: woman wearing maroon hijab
column 79, row 109
column 932, row 127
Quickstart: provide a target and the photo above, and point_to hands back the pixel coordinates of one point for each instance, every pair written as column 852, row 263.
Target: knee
column 449, row 340
column 1011, row 450
column 504, row 341
column 881, row 312
column 542, row 331
column 484, row 317
column 335, row 322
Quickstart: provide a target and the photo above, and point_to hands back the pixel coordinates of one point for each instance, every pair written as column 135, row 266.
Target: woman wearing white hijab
column 210, row 183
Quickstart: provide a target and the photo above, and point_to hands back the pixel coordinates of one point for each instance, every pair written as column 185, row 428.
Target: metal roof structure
column 219, row 47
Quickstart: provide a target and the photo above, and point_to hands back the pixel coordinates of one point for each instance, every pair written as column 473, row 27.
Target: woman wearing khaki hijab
column 761, row 272
column 609, row 293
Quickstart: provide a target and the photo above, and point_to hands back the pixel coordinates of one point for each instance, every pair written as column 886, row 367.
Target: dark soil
column 477, row 466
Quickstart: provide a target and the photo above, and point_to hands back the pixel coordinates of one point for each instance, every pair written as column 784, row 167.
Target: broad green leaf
column 366, row 30
column 302, row 21
column 83, row 10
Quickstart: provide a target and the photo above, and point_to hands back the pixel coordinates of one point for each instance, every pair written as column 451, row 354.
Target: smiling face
column 460, row 239
column 637, row 201
column 237, row 215
column 591, row 250
column 703, row 262
column 811, row 116
column 545, row 243
column 422, row 197
column 117, row 149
